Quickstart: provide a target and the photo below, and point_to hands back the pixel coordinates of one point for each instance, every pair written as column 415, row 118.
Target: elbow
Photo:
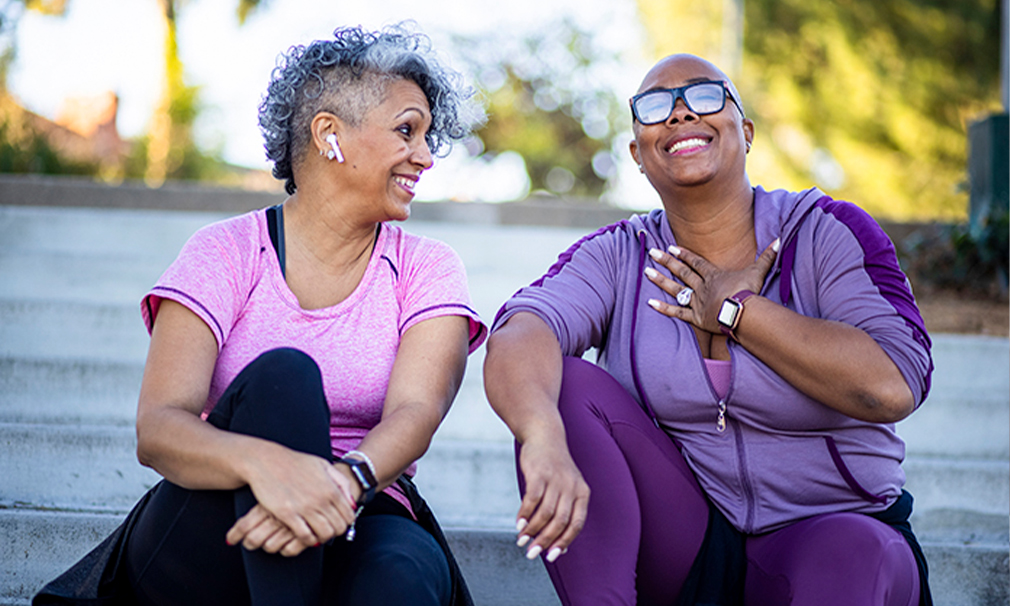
column 890, row 404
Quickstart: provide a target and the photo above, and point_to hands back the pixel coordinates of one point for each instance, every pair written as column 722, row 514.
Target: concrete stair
column 72, row 347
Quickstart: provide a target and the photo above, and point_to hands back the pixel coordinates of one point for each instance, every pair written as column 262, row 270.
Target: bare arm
column 522, row 378
column 427, row 374
column 834, row 363
column 301, row 490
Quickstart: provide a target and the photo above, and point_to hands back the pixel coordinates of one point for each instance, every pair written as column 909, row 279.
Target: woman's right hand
column 553, row 510
column 298, row 494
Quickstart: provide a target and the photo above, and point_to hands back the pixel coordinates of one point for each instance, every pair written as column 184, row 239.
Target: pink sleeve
column 210, row 277
column 432, row 284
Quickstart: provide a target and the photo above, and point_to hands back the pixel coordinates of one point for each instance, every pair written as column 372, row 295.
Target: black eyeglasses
column 656, row 105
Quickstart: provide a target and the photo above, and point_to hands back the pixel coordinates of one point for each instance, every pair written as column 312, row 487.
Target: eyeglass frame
column 678, row 93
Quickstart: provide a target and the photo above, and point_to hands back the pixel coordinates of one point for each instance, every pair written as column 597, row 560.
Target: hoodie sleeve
column 576, row 296
column 859, row 282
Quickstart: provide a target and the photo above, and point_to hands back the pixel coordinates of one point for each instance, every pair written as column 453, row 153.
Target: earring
column 335, row 149
column 641, row 169
column 748, row 146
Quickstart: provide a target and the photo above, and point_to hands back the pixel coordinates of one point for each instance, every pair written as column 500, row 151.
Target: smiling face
column 689, row 149
column 387, row 152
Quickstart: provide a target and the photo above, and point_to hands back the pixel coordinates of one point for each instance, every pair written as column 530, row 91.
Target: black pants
column 177, row 552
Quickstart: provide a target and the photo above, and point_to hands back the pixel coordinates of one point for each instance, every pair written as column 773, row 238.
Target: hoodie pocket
column 836, row 457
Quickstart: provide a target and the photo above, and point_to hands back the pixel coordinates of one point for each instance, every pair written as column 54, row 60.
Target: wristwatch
column 731, row 312
column 364, row 476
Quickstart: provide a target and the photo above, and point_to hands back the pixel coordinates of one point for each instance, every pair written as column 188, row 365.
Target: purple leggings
column 647, row 519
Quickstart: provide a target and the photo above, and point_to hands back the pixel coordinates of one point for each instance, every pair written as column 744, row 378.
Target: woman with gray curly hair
column 302, row 357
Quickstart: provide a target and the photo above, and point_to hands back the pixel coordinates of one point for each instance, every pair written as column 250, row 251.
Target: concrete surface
column 72, row 347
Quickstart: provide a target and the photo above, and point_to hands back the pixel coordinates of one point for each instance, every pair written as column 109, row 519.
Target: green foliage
column 22, row 150
column 880, row 90
column 545, row 103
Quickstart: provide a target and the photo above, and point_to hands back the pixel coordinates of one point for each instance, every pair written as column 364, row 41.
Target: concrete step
column 94, row 468
column 44, row 543
column 82, row 363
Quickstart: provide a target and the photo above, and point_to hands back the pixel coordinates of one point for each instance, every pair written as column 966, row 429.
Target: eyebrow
column 412, row 109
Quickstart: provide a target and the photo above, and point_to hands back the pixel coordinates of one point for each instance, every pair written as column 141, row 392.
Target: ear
column 323, row 124
column 633, row 148
column 748, row 130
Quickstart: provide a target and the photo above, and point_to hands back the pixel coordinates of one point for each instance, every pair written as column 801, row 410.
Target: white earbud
column 335, row 151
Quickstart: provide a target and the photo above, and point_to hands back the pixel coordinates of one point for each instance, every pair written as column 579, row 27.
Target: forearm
column 522, row 377
column 401, row 438
column 196, row 455
column 833, row 363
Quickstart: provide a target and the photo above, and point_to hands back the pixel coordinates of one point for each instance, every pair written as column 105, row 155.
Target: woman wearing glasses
column 756, row 348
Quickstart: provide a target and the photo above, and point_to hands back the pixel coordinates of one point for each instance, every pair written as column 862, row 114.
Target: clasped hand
column 710, row 284
column 302, row 501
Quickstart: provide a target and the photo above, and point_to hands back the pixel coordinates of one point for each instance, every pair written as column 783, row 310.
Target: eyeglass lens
column 702, row 98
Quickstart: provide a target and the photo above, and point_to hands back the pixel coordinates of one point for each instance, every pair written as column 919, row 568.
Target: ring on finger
column 684, row 296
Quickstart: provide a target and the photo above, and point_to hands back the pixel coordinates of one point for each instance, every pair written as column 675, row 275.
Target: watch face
column 728, row 312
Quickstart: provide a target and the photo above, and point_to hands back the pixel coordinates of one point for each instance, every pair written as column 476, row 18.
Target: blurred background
column 899, row 106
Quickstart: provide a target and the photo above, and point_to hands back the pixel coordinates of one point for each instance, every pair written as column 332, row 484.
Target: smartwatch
column 731, row 312
column 364, row 476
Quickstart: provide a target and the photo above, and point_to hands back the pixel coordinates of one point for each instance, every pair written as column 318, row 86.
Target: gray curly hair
column 347, row 76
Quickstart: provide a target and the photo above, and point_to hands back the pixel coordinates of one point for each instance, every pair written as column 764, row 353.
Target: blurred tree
column 546, row 102
column 868, row 100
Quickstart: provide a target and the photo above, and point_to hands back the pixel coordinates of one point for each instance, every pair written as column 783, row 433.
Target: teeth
column 405, row 182
column 693, row 142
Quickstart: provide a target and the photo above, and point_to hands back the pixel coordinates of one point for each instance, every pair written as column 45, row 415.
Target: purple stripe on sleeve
column 881, row 264
column 563, row 260
column 220, row 332
column 434, row 307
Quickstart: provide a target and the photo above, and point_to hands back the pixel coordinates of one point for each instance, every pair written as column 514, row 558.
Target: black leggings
column 177, row 552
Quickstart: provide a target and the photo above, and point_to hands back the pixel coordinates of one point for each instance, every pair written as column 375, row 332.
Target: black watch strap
column 364, row 476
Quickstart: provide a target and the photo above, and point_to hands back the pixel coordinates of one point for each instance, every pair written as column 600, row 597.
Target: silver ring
column 684, row 296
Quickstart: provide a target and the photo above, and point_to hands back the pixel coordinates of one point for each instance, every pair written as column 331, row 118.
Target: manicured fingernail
column 655, row 253
column 553, row 554
column 776, row 244
column 564, row 551
column 523, row 540
column 533, row 552
column 653, row 303
column 521, row 523
column 652, row 273
column 674, row 250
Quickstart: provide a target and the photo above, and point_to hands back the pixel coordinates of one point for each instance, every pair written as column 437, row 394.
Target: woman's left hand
column 709, row 284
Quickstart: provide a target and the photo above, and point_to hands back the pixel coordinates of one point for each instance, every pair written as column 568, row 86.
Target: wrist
column 364, row 483
column 731, row 312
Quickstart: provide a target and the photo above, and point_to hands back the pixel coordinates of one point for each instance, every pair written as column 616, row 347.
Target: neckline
column 283, row 291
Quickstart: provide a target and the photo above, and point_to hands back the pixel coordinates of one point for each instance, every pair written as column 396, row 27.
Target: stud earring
column 641, row 169
column 335, row 149
column 748, row 146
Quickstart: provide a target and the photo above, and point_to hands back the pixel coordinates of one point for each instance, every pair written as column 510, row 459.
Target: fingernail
column 655, row 253
column 674, row 250
column 564, row 551
column 533, row 552
column 653, row 303
column 652, row 273
column 776, row 244
column 523, row 540
column 521, row 523
column 553, row 554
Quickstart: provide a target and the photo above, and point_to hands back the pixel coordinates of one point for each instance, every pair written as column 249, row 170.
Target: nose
column 422, row 155
column 681, row 112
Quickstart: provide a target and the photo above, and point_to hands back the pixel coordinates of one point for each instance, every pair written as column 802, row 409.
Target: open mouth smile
column 406, row 183
column 687, row 145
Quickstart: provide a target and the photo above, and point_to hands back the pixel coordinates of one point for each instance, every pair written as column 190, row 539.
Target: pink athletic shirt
column 228, row 274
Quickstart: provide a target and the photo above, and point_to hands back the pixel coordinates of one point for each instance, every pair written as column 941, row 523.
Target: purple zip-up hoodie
column 783, row 456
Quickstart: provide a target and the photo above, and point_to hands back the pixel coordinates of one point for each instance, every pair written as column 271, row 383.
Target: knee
column 283, row 364
column 410, row 568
